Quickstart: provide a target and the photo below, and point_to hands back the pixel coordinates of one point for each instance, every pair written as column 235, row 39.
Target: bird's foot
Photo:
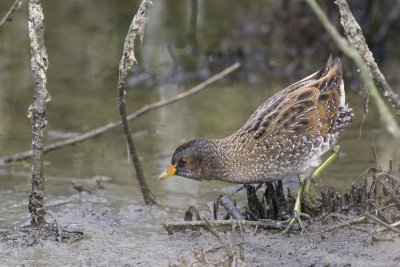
column 297, row 206
column 296, row 217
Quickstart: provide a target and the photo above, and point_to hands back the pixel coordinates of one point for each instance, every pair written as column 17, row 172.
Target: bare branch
column 128, row 59
column 37, row 110
column 98, row 131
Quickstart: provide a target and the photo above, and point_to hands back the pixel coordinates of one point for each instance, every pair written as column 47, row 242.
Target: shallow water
column 84, row 42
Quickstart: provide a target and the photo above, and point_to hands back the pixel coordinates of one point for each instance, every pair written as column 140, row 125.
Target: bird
column 285, row 137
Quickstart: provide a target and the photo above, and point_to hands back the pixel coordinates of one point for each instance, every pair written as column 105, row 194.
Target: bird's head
column 192, row 159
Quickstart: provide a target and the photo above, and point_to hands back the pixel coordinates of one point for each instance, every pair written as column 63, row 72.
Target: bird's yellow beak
column 171, row 171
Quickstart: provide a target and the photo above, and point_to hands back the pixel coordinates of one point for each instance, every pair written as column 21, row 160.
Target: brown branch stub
column 8, row 16
column 36, row 111
column 355, row 36
column 128, row 59
column 230, row 207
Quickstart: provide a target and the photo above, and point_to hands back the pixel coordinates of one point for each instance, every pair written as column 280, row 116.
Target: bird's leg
column 297, row 206
column 308, row 185
column 317, row 172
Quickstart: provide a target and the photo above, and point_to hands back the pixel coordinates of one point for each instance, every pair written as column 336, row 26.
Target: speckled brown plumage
column 285, row 136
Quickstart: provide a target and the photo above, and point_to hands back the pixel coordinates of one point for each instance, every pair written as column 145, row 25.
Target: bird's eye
column 182, row 162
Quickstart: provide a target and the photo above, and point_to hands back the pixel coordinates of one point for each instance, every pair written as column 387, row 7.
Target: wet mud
column 89, row 229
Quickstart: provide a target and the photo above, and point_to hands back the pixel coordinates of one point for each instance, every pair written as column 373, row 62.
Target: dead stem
column 233, row 238
column 241, row 241
column 379, row 211
column 128, row 59
column 213, row 230
column 8, row 16
column 201, row 257
column 358, row 219
column 390, row 191
column 379, row 221
column 392, row 225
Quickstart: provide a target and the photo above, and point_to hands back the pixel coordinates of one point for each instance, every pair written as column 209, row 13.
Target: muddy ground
column 117, row 232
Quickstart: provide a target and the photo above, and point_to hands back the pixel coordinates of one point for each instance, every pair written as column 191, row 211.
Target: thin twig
column 201, row 258
column 356, row 38
column 8, row 16
column 379, row 211
column 352, row 53
column 392, row 225
column 37, row 110
column 377, row 220
column 394, row 178
column 390, row 191
column 128, row 59
column 98, row 131
column 241, row 241
column 265, row 224
column 214, row 231
column 358, row 219
column 233, row 238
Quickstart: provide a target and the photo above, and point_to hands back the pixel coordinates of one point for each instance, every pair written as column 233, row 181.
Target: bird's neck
column 220, row 160
column 214, row 158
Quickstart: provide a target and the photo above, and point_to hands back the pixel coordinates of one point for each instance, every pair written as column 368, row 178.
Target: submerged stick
column 223, row 225
column 36, row 111
column 352, row 53
column 230, row 207
column 98, row 131
column 128, row 59
column 8, row 16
